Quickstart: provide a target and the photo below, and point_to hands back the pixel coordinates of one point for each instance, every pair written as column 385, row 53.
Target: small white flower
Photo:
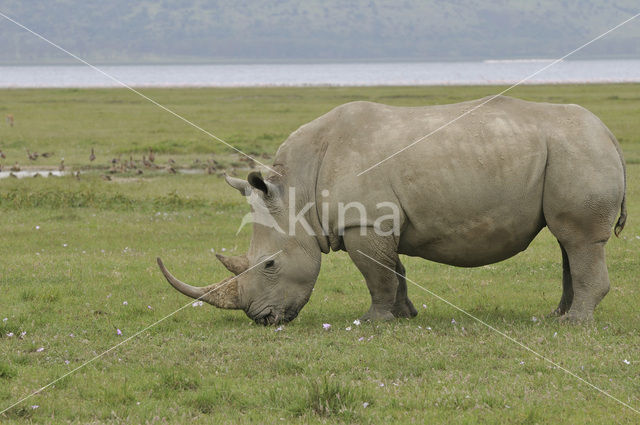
column 348, row 328
column 5, row 319
column 64, row 245
column 356, row 322
column 125, row 303
column 37, row 227
column 197, row 304
column 23, row 334
column 10, row 334
column 365, row 404
column 428, row 328
column 326, row 326
column 522, row 362
column 361, row 338
column 66, row 362
column 625, row 361
column 555, row 334
column 424, row 306
column 223, row 249
column 453, row 321
column 149, row 307
column 40, row 350
column 279, row 328
column 534, row 319
column 35, row 406
column 118, row 332
column 381, row 384
column 72, row 335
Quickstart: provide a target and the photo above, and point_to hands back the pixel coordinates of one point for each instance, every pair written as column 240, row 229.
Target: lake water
column 327, row 74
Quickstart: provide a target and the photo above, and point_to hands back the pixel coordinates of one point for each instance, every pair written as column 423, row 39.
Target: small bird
column 171, row 161
column 211, row 168
column 13, row 175
column 32, row 155
column 139, row 172
column 145, row 162
column 105, row 177
column 15, row 167
column 61, row 167
column 10, row 120
column 171, row 170
column 77, row 175
column 92, row 157
column 2, row 155
column 47, row 154
column 152, row 157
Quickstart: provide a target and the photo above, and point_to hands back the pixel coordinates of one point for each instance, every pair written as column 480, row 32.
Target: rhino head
column 274, row 280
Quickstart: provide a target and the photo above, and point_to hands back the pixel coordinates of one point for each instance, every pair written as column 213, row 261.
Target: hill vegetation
column 314, row 30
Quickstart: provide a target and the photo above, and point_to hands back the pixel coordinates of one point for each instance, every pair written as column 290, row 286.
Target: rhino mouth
column 270, row 317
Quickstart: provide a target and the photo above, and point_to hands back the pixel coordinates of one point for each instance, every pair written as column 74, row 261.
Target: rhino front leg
column 376, row 258
column 403, row 307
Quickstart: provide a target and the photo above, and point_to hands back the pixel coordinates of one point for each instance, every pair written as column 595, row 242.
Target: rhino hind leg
column 403, row 307
column 376, row 258
column 590, row 279
column 567, row 286
column 582, row 234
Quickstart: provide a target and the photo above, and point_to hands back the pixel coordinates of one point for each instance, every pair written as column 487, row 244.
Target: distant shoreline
column 311, row 61
column 353, row 74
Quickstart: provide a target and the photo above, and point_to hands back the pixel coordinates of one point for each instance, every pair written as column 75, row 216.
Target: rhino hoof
column 573, row 317
column 405, row 310
column 377, row 315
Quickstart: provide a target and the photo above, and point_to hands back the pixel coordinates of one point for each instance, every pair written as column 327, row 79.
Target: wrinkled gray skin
column 474, row 193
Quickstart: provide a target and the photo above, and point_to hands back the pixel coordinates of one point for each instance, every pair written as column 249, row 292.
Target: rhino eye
column 269, row 264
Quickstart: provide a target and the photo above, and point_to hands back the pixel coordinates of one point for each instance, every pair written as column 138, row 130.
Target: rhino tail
column 623, row 207
column 623, row 217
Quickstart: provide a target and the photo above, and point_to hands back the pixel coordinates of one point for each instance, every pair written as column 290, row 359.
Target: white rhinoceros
column 475, row 192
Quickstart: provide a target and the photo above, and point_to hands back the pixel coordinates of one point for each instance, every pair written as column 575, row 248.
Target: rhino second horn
column 235, row 265
column 221, row 295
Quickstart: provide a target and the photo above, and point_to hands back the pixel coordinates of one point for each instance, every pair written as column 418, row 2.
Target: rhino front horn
column 221, row 295
column 235, row 265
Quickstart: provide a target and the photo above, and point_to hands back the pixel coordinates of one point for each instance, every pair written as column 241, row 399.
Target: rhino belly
column 477, row 238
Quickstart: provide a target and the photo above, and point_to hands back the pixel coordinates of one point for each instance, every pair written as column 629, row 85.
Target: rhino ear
column 240, row 185
column 255, row 180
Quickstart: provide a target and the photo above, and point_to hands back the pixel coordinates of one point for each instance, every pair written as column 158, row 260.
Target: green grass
column 64, row 284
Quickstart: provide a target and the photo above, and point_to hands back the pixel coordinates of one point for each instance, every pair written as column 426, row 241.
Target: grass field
column 77, row 264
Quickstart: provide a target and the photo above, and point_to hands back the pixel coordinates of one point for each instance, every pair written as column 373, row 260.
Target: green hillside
column 242, row 30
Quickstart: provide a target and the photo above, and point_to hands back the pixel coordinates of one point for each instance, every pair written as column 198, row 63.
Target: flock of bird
column 148, row 162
